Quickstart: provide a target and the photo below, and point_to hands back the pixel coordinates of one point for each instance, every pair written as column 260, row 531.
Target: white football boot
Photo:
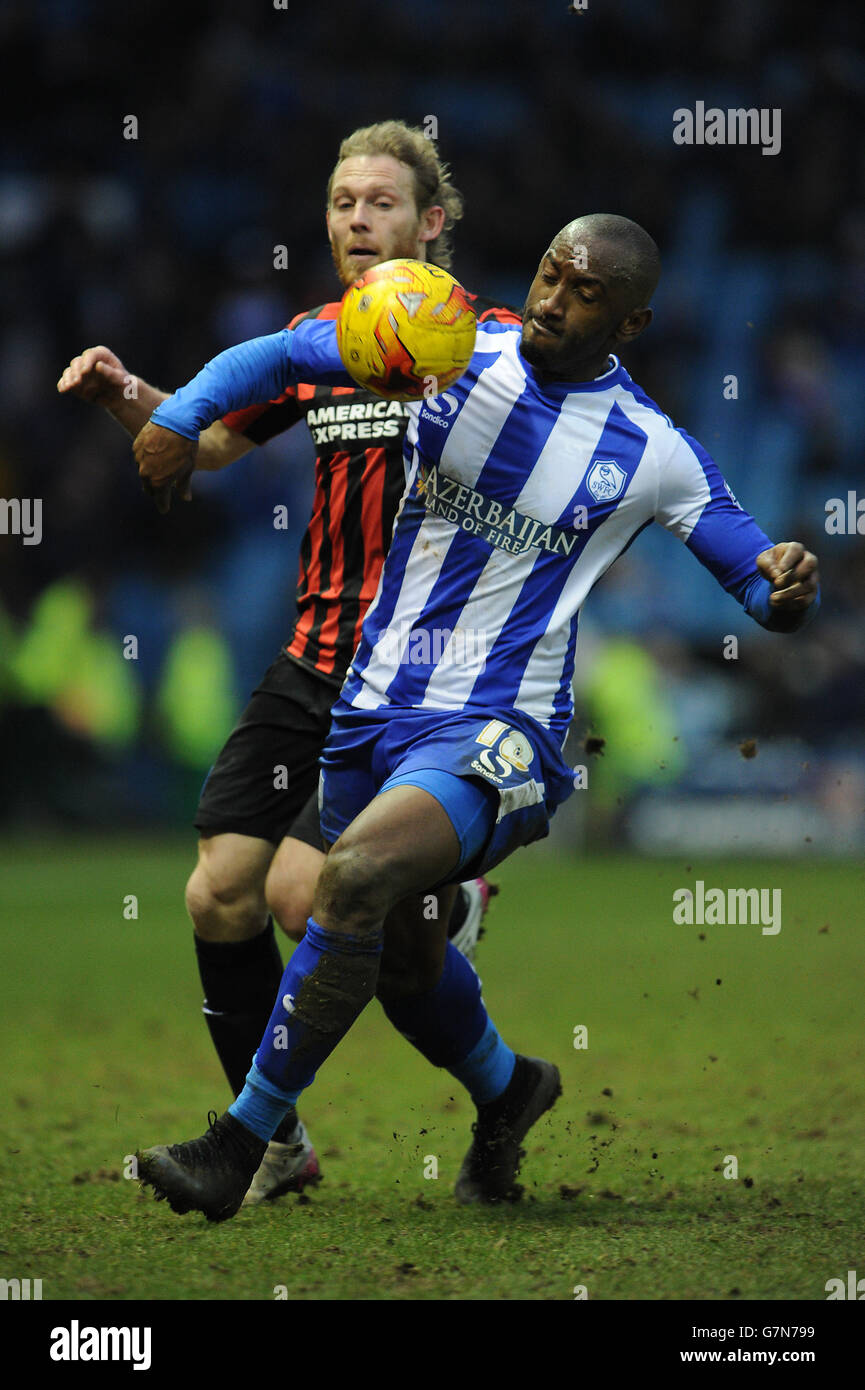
column 285, row 1168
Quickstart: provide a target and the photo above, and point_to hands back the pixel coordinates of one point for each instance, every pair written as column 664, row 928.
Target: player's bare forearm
column 98, row 376
column 219, row 446
column 134, row 413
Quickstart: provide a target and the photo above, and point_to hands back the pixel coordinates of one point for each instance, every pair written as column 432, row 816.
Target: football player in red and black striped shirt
column 260, row 847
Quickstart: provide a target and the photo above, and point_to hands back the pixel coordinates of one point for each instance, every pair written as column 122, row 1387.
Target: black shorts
column 265, row 781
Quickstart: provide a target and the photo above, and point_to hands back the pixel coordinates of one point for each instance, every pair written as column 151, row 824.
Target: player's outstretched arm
column 777, row 584
column 252, row 372
column 166, row 448
column 781, row 592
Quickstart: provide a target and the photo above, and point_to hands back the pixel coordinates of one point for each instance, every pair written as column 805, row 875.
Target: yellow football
column 406, row 329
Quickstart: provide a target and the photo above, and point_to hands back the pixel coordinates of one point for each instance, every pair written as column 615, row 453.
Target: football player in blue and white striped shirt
column 526, row 480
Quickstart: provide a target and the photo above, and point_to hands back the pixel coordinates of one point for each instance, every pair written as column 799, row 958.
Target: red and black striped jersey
column 359, row 480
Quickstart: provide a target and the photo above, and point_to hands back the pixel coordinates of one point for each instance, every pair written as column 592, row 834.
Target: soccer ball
column 406, row 329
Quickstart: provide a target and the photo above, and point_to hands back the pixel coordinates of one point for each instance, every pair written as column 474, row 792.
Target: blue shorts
column 502, row 781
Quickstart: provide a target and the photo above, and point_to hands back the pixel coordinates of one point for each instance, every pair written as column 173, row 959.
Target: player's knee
column 352, row 890
column 290, row 903
column 290, row 885
column 223, row 908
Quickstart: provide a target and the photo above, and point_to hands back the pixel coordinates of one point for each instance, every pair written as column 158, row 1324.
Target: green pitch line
column 704, row 1044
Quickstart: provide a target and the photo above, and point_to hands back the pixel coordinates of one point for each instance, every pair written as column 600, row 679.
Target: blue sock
column 261, row 1106
column 329, row 980
column 488, row 1068
column 450, row 1026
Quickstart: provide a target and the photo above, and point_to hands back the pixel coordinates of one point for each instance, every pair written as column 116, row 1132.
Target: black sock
column 285, row 1130
column 459, row 912
column 241, row 980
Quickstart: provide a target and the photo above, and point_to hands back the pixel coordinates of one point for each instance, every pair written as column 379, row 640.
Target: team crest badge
column 606, row 480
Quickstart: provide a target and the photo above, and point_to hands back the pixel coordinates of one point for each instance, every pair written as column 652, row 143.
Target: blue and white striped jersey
column 520, row 494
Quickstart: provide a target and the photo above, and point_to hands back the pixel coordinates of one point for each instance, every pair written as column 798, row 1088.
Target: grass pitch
column 703, row 1044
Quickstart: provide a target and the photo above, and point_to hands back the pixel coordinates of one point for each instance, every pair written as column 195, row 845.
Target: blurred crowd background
column 162, row 247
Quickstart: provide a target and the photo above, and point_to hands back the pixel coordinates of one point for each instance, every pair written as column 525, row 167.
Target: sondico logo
column 514, row 751
column 439, row 409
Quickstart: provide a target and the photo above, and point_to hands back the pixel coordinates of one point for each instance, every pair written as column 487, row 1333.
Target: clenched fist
column 793, row 572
